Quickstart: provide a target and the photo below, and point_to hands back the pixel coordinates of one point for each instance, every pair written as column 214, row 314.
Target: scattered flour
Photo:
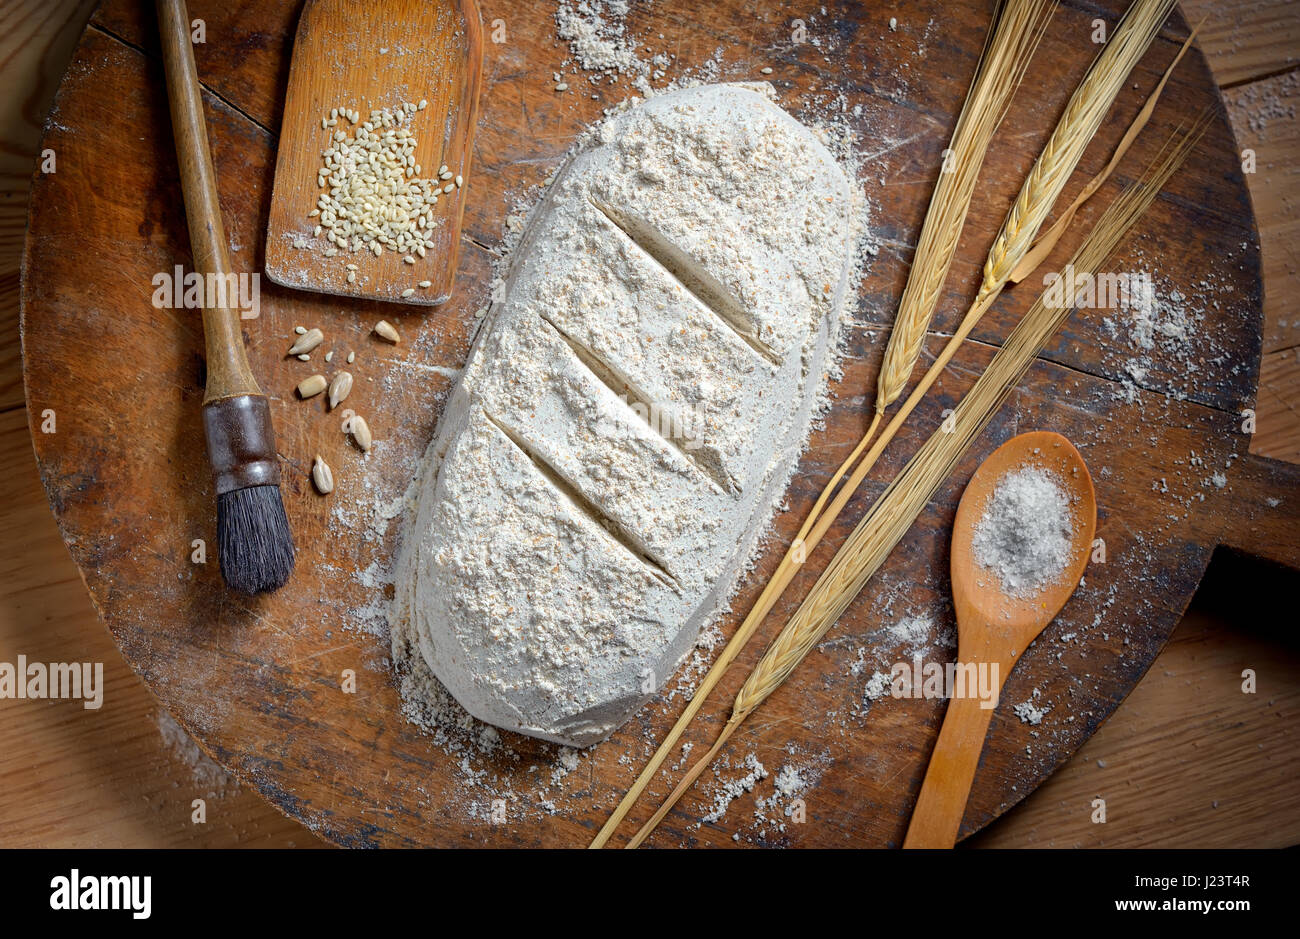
column 597, row 35
column 878, row 686
column 727, row 791
column 206, row 772
column 911, row 632
column 1029, row 711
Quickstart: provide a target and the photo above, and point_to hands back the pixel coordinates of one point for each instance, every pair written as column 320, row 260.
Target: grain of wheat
column 306, row 342
column 340, row 388
column 360, row 431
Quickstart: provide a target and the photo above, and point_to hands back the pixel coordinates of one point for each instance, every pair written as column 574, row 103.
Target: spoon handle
column 942, row 802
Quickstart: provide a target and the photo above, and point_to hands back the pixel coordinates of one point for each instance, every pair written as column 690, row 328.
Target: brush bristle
column 254, row 544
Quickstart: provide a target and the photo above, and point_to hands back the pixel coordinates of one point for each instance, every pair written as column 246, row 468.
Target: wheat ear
column 1018, row 28
column 1044, row 244
column 1014, row 34
column 898, row 506
column 1076, row 128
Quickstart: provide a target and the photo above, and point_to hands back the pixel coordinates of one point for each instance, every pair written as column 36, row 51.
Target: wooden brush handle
column 227, row 363
column 942, row 803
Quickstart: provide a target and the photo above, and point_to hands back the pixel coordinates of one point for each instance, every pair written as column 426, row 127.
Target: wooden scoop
column 993, row 627
column 355, row 56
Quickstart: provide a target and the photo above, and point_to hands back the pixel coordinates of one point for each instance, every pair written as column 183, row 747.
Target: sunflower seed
column 361, row 433
column 322, row 476
column 339, row 388
column 311, row 386
column 307, row 341
column 385, row 330
column 352, row 357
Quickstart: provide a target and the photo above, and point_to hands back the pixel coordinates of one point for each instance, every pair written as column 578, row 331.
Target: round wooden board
column 258, row 683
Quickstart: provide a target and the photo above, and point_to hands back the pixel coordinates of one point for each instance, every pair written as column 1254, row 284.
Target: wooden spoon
column 994, row 627
column 373, row 55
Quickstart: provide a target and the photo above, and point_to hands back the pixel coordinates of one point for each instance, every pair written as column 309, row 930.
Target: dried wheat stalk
column 1053, row 168
column 1077, row 126
column 898, row 506
column 1014, row 34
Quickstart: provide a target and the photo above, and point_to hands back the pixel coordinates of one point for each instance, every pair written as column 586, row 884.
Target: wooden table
column 138, row 728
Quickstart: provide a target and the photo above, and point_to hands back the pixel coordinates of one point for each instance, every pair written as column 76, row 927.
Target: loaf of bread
column 630, row 413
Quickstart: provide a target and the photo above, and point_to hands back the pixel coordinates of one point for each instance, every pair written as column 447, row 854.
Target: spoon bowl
column 994, row 625
column 992, row 616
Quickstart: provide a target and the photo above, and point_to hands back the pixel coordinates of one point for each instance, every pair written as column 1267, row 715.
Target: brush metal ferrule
column 241, row 442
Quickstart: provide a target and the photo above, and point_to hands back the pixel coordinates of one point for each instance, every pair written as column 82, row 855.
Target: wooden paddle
column 993, row 627
column 368, row 56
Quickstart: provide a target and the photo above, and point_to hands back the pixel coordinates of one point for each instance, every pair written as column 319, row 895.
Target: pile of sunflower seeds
column 374, row 198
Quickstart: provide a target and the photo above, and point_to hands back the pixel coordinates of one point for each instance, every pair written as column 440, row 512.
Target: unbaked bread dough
column 630, row 413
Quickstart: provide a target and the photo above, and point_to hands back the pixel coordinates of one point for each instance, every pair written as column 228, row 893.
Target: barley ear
column 1016, row 30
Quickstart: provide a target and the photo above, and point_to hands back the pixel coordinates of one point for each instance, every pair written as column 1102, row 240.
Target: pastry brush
column 254, row 544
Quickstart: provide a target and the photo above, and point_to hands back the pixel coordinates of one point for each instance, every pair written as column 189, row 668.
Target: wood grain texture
column 36, row 42
column 1249, row 39
column 1279, row 406
column 374, row 56
column 1181, row 725
column 1191, row 759
column 1264, row 115
column 123, row 775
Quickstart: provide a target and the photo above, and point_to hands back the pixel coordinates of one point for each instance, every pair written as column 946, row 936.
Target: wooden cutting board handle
column 1263, row 518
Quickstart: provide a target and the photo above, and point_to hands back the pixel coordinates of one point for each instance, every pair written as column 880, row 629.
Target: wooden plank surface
column 35, row 575
column 1246, row 40
column 1189, row 759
